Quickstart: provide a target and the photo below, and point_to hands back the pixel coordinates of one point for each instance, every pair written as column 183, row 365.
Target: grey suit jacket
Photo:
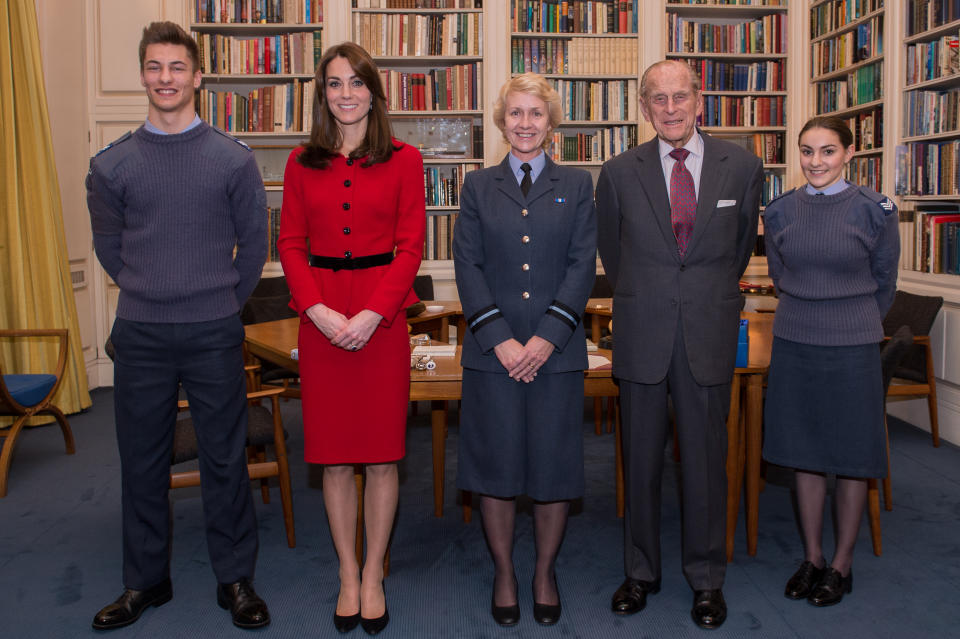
column 503, row 299
column 655, row 291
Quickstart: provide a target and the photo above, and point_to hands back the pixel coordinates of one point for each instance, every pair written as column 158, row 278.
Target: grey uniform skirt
column 521, row 439
column 824, row 409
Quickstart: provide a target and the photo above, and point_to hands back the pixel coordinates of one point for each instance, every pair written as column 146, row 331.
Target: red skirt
column 355, row 402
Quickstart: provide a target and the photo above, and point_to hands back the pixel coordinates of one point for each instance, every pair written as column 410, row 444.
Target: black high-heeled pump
column 504, row 615
column 547, row 614
column 376, row 625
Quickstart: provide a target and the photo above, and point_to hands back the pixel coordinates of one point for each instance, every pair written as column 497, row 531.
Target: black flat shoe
column 547, row 614
column 505, row 615
column 346, row 623
column 246, row 608
column 709, row 609
column 631, row 596
column 374, row 626
column 803, row 581
column 831, row 588
column 130, row 605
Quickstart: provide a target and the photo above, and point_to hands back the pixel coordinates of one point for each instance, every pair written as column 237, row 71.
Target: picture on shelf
column 437, row 137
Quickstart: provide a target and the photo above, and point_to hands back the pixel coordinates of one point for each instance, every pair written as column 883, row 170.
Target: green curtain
column 35, row 287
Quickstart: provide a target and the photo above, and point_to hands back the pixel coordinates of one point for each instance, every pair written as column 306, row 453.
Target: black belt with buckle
column 350, row 263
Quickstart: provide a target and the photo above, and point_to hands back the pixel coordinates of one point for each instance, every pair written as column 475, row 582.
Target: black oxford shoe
column 631, row 596
column 831, row 588
column 246, row 608
column 130, row 605
column 709, row 609
column 802, row 582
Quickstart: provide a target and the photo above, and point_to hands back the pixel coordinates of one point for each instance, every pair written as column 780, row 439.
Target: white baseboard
column 99, row 373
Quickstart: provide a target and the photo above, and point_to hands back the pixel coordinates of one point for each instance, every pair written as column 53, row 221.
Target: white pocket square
column 723, row 203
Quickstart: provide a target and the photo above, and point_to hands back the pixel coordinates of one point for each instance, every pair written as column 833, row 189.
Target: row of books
column 866, row 171
column 598, row 146
column 284, row 53
column 834, row 14
column 766, row 146
column 410, row 34
column 740, row 3
column 715, row 75
column 458, row 87
column 438, row 242
column 772, row 187
column 418, row 4
column 931, row 112
column 442, row 184
column 258, row 11
column 281, row 107
column 928, row 168
column 863, row 43
column 580, row 56
column 273, row 232
column 763, row 35
column 927, row 14
column 597, row 99
column 931, row 60
column 867, row 128
column 728, row 110
column 928, row 239
column 574, row 16
column 859, row 87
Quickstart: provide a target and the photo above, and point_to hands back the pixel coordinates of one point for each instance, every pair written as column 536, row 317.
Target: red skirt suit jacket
column 354, row 403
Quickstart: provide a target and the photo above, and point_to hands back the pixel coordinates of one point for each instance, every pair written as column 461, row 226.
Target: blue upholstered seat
column 29, row 390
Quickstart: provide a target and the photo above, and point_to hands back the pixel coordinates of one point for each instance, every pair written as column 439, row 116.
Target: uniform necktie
column 683, row 200
column 527, row 181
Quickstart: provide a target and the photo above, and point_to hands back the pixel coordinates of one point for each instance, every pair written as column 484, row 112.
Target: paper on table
column 437, row 350
column 595, row 361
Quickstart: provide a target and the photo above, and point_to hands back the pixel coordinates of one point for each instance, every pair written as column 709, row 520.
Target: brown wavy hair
column 325, row 135
column 831, row 123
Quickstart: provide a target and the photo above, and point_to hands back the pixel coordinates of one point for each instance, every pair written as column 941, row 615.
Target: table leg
column 734, row 476
column 595, row 328
column 598, row 415
column 445, row 330
column 438, row 426
column 754, row 436
column 461, row 329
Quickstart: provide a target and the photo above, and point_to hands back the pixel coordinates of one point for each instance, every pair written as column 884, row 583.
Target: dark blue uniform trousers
column 152, row 361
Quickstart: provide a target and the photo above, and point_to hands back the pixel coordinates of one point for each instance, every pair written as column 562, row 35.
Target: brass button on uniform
column 524, row 212
column 347, row 254
column 346, row 206
column 525, row 267
column 525, row 239
column 525, row 295
column 346, row 230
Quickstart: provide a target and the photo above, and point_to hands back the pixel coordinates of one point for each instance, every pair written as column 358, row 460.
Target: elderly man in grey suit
column 677, row 221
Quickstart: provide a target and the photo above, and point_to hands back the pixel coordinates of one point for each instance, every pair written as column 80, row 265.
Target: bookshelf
column 848, row 75
column 927, row 166
column 257, row 59
column 432, row 68
column 739, row 49
column 590, row 55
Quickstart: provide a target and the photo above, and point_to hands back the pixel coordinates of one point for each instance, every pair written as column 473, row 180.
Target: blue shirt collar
column 152, row 129
column 536, row 166
column 837, row 187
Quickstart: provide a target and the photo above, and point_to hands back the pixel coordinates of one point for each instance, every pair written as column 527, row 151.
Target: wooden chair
column 914, row 377
column 894, row 350
column 265, row 427
column 270, row 301
column 23, row 396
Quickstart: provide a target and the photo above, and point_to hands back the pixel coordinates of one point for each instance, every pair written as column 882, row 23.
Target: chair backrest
column 601, row 287
column 893, row 352
column 269, row 301
column 919, row 313
column 423, row 287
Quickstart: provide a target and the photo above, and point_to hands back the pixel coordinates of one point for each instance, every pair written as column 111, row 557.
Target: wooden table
column 437, row 323
column 273, row 341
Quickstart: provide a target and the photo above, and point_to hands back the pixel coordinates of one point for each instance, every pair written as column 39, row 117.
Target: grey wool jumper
column 167, row 212
column 833, row 259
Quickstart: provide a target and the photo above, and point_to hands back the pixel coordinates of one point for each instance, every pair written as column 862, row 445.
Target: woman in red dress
column 351, row 235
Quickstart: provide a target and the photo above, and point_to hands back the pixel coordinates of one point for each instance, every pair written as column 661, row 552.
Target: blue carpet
column 60, row 553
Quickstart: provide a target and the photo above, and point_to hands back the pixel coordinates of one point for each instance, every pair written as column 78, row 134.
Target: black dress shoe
column 831, row 588
column 631, row 596
column 709, row 609
column 374, row 626
column 802, row 582
column 346, row 623
column 547, row 614
column 246, row 607
column 130, row 605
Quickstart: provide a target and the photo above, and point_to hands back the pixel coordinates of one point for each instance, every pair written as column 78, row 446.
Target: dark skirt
column 521, row 439
column 824, row 409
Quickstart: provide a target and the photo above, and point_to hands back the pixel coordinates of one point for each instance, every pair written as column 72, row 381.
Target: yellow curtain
column 35, row 286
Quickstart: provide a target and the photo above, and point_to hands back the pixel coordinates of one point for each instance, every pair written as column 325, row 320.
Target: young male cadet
column 677, row 219
column 178, row 215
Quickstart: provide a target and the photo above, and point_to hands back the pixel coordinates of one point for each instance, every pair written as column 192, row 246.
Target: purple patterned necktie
column 683, row 200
